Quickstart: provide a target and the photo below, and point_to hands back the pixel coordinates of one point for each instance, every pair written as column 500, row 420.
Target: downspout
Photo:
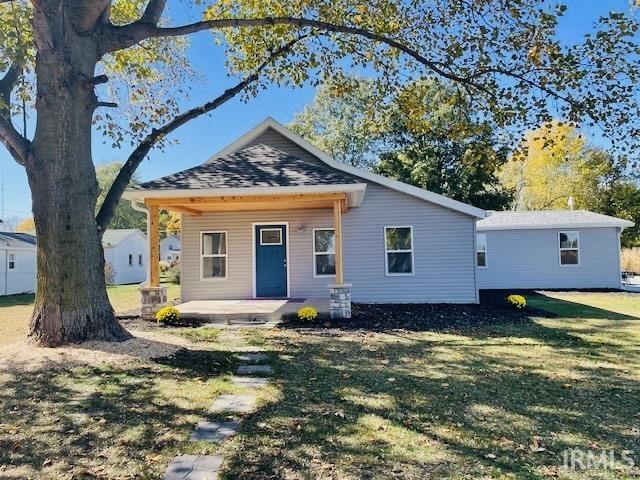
column 620, row 230
column 141, row 208
column 475, row 261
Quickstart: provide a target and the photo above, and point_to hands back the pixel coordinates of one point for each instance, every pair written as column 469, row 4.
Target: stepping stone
column 250, row 382
column 249, row 369
column 194, row 467
column 252, row 357
column 234, row 403
column 214, row 431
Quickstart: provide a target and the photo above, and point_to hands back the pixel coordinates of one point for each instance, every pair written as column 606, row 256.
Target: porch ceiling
column 196, row 205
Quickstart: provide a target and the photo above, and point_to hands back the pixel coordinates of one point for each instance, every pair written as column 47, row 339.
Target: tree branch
column 108, row 208
column 17, row 145
column 153, row 12
column 129, row 35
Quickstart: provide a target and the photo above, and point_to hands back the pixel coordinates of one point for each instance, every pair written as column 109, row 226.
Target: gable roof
column 114, row 236
column 17, row 240
column 537, row 219
column 340, row 174
column 255, row 166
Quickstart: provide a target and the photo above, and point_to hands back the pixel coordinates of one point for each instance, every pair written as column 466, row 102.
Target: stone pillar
column 340, row 300
column 152, row 299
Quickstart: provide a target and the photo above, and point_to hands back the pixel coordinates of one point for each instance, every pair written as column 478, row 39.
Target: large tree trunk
column 71, row 300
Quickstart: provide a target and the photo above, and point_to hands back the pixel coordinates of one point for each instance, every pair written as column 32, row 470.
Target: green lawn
column 15, row 310
column 496, row 402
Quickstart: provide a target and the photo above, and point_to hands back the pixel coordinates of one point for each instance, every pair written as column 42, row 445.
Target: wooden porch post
column 154, row 246
column 337, row 225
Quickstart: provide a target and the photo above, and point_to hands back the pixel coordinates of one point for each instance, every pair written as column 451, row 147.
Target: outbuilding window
column 481, row 249
column 324, row 251
column 12, row 261
column 131, row 260
column 398, row 245
column 139, row 259
column 214, row 255
column 569, row 243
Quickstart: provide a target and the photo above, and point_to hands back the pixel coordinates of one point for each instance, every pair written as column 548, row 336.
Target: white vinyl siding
column 22, row 277
column 528, row 258
column 443, row 251
column 120, row 256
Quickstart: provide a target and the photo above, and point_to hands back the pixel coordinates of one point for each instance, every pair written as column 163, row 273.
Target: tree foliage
column 435, row 141
column 26, row 226
column 345, row 120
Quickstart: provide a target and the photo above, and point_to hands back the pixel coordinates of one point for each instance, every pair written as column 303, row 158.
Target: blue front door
column 271, row 260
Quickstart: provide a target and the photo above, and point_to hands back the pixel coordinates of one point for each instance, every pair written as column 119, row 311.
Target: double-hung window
column 12, row 261
column 324, row 251
column 214, row 255
column 139, row 259
column 569, row 243
column 481, row 249
column 398, row 246
column 131, row 260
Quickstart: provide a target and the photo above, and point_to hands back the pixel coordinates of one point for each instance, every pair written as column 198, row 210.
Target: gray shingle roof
column 113, row 237
column 256, row 166
column 549, row 219
column 16, row 239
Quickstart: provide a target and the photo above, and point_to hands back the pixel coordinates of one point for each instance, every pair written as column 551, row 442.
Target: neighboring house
column 549, row 249
column 127, row 252
column 17, row 263
column 170, row 248
column 271, row 216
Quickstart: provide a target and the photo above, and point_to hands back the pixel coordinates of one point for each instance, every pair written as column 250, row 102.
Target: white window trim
column 313, row 240
column 11, row 257
column 213, row 255
column 262, row 230
column 486, row 251
column 386, row 252
column 561, row 249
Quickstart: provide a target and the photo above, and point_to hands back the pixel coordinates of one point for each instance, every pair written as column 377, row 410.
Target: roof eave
column 531, row 226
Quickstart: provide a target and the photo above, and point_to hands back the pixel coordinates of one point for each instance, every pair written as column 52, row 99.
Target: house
column 271, row 216
column 127, row 253
column 170, row 248
column 549, row 249
column 17, row 263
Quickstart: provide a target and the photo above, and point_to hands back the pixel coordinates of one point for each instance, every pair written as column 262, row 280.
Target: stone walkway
column 206, row 467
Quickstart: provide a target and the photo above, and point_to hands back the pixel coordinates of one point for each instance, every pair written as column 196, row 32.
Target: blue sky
column 201, row 138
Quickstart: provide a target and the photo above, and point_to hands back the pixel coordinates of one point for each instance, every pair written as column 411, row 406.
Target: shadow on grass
column 119, row 421
column 15, row 300
column 362, row 405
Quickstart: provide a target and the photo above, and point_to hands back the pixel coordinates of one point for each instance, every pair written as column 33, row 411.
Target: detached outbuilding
column 549, row 249
column 17, row 263
column 127, row 252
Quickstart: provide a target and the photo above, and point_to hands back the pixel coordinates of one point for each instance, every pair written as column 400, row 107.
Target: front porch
column 248, row 312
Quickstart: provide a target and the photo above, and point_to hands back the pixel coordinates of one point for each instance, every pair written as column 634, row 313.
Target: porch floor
column 248, row 312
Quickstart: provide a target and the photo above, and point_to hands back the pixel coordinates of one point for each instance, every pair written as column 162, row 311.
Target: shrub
column 307, row 313
column 517, row 301
column 173, row 274
column 630, row 259
column 109, row 273
column 168, row 315
column 164, row 266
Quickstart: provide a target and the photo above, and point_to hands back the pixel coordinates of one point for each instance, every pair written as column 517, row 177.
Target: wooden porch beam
column 154, row 246
column 183, row 209
column 237, row 199
column 337, row 225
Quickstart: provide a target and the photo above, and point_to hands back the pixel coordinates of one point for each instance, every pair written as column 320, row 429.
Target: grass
column 496, row 402
column 15, row 310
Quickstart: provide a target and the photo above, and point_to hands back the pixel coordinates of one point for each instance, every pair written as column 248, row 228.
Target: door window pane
column 271, row 236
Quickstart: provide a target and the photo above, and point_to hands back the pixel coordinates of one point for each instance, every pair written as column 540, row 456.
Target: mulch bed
column 422, row 317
